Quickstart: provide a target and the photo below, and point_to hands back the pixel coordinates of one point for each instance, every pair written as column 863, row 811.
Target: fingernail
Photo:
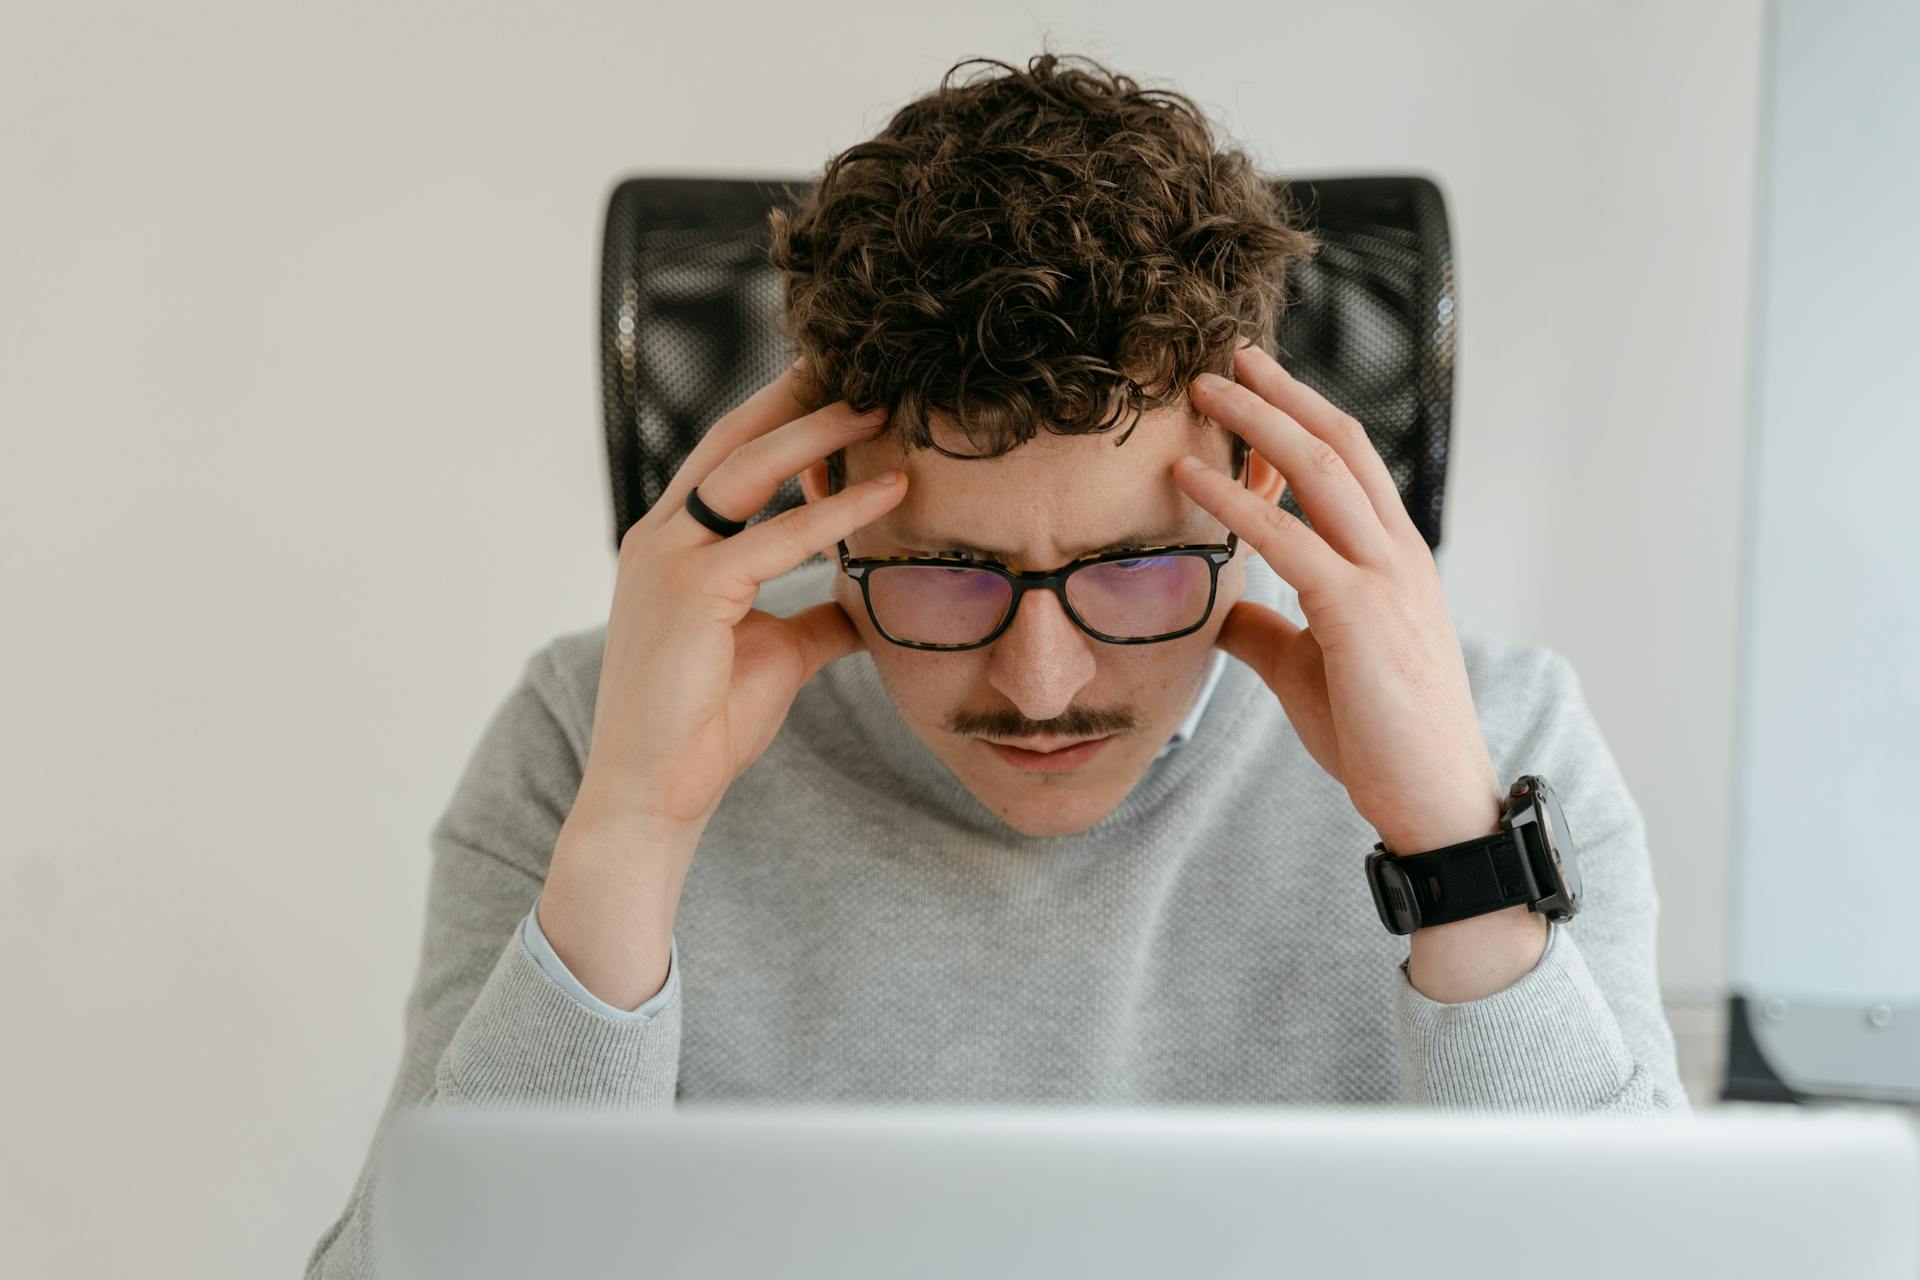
column 1211, row 382
column 887, row 477
column 1192, row 463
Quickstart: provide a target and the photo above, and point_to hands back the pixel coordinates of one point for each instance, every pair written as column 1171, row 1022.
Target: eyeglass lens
column 1127, row 599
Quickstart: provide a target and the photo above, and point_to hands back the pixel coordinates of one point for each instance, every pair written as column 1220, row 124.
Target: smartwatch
column 1529, row 860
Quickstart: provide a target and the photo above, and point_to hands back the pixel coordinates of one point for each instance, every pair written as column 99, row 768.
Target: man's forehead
column 992, row 540
column 1077, row 500
column 1153, row 444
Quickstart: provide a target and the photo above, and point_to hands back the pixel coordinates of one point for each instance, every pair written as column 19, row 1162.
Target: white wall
column 298, row 388
column 1829, row 690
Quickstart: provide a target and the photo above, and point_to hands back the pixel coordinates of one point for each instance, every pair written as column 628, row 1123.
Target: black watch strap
column 1458, row 882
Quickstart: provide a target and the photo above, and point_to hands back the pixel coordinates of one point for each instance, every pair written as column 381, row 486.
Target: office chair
column 690, row 311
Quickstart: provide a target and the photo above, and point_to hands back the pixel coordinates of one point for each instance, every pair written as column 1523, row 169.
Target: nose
column 1041, row 660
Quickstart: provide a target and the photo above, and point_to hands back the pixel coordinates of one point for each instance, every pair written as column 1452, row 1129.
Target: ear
column 813, row 481
column 1262, row 479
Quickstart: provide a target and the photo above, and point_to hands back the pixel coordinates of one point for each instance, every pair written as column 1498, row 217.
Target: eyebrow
column 1162, row 536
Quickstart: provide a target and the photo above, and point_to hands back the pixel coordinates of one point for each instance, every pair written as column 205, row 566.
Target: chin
column 1042, row 805
column 1053, row 811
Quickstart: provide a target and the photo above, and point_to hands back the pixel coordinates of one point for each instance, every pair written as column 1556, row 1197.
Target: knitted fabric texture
column 857, row 927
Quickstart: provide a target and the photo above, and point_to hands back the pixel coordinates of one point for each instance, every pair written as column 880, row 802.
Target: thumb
column 1257, row 636
column 825, row 634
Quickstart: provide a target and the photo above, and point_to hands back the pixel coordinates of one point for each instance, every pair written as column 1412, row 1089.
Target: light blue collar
column 1187, row 726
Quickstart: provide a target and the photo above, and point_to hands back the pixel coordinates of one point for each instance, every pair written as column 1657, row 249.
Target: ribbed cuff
column 1548, row 1042
column 527, row 1042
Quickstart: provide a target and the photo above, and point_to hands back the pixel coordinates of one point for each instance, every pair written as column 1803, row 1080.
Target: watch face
column 1558, row 840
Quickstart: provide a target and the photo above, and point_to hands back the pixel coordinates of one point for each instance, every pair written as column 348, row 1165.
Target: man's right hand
column 694, row 681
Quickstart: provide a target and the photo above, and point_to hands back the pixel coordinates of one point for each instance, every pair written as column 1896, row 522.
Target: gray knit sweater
column 857, row 927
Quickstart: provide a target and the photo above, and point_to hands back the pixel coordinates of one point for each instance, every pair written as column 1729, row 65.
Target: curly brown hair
column 1054, row 245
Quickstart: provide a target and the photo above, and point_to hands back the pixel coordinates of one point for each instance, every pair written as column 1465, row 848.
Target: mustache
column 1074, row 722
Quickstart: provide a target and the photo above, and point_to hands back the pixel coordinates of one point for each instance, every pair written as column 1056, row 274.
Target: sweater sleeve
column 484, row 1024
column 544, row 955
column 1584, row 1030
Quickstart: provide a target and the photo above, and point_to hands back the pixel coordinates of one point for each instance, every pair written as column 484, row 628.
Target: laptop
column 1750, row 1190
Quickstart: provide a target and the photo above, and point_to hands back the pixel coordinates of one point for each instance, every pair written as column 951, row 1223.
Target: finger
column 775, row 546
column 1257, row 636
column 1256, row 369
column 1339, row 508
column 749, row 476
column 824, row 634
column 1298, row 554
column 775, row 404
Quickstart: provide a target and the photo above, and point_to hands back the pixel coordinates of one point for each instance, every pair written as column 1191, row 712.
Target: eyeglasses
column 1137, row 595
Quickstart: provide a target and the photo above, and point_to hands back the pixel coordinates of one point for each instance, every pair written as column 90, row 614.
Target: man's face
column 1044, row 679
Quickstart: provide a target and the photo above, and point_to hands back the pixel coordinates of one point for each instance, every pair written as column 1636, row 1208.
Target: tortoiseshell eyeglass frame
column 1214, row 553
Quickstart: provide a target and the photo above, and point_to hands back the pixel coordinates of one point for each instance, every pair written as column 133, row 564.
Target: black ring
column 707, row 516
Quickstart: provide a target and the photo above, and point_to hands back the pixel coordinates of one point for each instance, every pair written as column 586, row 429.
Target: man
column 933, row 831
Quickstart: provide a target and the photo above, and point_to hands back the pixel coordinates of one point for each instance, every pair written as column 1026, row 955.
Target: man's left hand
column 1375, row 683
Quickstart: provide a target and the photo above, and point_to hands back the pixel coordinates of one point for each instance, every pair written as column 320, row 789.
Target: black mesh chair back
column 690, row 324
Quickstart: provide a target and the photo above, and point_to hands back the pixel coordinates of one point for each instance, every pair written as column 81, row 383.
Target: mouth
column 1059, row 756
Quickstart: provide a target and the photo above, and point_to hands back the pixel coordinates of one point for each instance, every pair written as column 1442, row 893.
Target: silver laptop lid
column 1743, row 1190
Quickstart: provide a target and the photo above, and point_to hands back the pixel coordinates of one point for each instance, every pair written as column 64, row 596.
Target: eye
column 1143, row 564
